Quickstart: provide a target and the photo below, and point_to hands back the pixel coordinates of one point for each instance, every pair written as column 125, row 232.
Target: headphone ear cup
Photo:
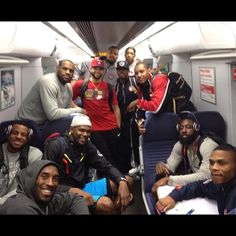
column 177, row 127
column 196, row 126
column 8, row 129
column 30, row 133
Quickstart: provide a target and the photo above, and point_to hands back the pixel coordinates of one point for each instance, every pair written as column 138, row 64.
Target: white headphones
column 188, row 115
column 9, row 129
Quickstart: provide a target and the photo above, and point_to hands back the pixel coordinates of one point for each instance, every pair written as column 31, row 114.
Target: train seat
column 155, row 145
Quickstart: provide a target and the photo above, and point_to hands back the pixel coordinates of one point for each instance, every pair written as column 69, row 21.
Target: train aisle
column 138, row 207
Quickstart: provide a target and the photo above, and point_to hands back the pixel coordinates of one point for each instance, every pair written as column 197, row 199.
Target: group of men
column 53, row 96
column 60, row 184
column 108, row 195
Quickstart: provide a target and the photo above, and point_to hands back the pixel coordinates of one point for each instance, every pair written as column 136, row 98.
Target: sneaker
column 134, row 171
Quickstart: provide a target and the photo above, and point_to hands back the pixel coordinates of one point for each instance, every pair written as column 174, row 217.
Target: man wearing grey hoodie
column 36, row 193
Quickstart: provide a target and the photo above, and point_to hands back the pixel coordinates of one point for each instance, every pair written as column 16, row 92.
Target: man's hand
column 157, row 184
column 87, row 196
column 161, row 169
column 132, row 105
column 124, row 196
column 165, row 204
column 140, row 124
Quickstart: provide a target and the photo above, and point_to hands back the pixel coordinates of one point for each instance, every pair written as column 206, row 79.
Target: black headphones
column 9, row 129
column 188, row 115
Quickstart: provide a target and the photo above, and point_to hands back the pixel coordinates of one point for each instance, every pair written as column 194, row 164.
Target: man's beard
column 110, row 62
column 61, row 79
column 96, row 76
column 188, row 140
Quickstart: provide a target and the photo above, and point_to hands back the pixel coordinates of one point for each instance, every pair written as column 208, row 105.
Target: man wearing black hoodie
column 36, row 193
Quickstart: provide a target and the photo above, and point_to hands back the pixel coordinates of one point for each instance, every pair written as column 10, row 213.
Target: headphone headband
column 10, row 127
column 189, row 115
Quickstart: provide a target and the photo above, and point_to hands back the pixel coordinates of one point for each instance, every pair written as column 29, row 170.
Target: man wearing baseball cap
column 100, row 102
column 108, row 195
column 126, row 90
column 122, row 65
column 97, row 63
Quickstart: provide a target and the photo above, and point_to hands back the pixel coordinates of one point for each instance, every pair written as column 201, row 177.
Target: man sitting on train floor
column 221, row 187
column 36, row 193
column 51, row 97
column 15, row 153
column 190, row 151
column 75, row 154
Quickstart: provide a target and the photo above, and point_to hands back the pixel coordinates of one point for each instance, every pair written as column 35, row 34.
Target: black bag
column 181, row 93
column 211, row 135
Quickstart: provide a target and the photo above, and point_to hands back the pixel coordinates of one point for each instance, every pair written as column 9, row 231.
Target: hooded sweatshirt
column 26, row 202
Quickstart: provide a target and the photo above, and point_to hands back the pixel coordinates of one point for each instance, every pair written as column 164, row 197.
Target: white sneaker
column 134, row 171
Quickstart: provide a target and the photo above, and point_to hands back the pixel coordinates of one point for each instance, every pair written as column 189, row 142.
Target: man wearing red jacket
column 153, row 96
column 159, row 89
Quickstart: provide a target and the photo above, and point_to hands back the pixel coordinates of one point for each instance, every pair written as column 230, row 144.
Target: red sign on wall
column 234, row 73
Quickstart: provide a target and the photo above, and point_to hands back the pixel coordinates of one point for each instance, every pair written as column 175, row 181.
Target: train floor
column 138, row 207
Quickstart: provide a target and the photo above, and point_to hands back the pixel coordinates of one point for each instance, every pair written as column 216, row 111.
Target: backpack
column 63, row 147
column 204, row 135
column 180, row 93
column 65, row 154
column 211, row 135
column 85, row 86
column 63, row 144
column 23, row 156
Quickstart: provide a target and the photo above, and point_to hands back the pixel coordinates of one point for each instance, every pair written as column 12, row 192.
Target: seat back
column 156, row 145
column 212, row 121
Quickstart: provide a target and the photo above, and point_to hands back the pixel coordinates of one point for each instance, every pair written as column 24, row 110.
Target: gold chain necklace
column 96, row 87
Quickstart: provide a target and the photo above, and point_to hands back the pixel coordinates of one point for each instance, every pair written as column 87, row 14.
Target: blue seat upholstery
column 212, row 121
column 156, row 144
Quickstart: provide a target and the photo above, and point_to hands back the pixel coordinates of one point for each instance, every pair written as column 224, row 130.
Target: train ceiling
column 99, row 35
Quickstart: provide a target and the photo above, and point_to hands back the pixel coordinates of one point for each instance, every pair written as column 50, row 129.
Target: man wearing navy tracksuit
column 126, row 90
column 221, row 188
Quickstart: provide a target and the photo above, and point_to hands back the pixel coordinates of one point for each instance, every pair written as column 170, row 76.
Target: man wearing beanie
column 75, row 154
